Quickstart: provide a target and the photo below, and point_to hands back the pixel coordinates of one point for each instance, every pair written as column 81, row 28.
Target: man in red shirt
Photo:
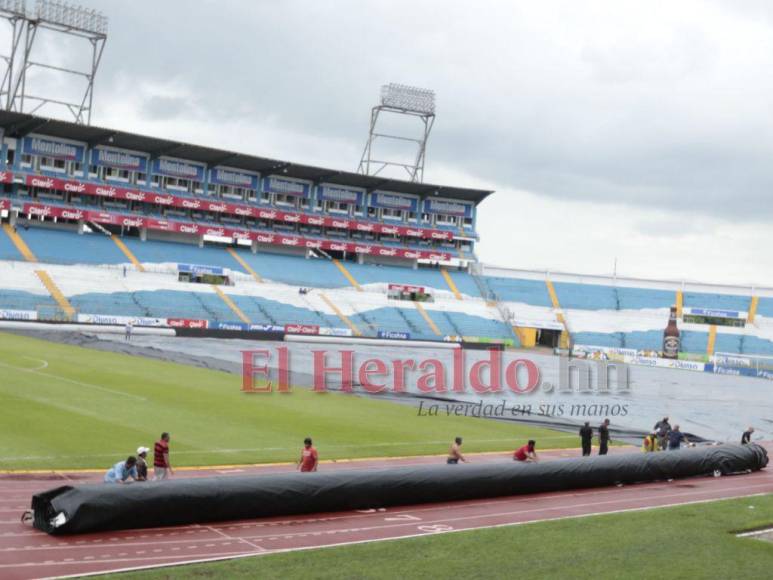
column 162, row 468
column 526, row 453
column 309, row 457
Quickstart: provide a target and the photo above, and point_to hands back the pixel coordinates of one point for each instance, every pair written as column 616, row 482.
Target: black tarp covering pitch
column 91, row 508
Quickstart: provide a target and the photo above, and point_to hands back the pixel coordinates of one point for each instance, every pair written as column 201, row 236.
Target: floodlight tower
column 15, row 13
column 407, row 101
column 64, row 19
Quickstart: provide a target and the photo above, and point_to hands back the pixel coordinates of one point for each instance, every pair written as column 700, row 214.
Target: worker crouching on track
column 527, row 453
column 651, row 443
column 122, row 471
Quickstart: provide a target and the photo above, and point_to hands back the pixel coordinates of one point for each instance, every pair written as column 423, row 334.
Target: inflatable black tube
column 91, row 508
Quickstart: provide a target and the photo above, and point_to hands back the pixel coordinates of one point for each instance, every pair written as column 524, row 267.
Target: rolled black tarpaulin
column 98, row 507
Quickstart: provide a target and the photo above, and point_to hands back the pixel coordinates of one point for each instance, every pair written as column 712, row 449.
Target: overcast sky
column 636, row 131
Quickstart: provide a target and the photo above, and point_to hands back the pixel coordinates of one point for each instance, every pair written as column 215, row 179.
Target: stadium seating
column 716, row 301
column 66, row 247
column 77, row 270
column 532, row 292
column 586, row 296
column 765, row 307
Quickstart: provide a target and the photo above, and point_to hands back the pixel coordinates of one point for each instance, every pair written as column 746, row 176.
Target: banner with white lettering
column 234, row 178
column 286, row 186
column 177, row 168
column 329, row 192
column 119, row 159
column 387, row 200
column 50, row 148
column 447, row 207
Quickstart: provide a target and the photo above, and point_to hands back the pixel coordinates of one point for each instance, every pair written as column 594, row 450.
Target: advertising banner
column 328, row 192
column 218, row 206
column 196, row 269
column 177, row 168
column 286, row 240
column 714, row 313
column 234, row 178
column 394, row 335
column 383, row 199
column 286, row 186
column 50, row 148
column 406, row 288
column 187, row 323
column 18, row 315
column 301, row 329
column 120, row 320
column 448, row 207
column 335, row 331
column 119, row 159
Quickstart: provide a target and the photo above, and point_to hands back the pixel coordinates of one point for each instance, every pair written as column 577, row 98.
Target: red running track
column 27, row 553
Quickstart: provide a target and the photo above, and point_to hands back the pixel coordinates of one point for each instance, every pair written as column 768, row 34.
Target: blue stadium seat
column 20, row 300
column 598, row 339
column 67, row 247
column 7, row 250
column 716, row 301
column 757, row 345
column 765, row 307
column 637, row 298
column 297, row 271
column 532, row 292
column 586, row 296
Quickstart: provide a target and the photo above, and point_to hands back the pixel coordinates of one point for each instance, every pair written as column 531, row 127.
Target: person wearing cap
column 122, row 471
column 663, row 428
column 142, row 463
column 309, row 457
column 651, row 443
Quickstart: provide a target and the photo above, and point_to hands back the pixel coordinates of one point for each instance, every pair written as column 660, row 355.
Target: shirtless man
column 455, row 453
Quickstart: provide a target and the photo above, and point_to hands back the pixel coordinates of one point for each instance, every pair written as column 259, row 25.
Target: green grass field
column 695, row 541
column 67, row 407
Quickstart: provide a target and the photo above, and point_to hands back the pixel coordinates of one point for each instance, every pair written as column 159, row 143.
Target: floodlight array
column 71, row 16
column 408, row 98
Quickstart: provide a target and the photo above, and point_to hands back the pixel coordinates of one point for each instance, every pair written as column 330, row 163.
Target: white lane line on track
column 216, row 558
column 74, row 382
column 236, row 539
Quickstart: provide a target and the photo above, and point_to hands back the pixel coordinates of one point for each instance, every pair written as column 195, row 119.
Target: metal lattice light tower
column 410, row 102
column 15, row 13
column 73, row 21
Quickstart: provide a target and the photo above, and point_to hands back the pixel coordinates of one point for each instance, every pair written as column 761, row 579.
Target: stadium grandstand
column 102, row 225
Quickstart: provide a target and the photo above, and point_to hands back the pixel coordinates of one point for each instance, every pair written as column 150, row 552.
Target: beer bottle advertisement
column 671, row 341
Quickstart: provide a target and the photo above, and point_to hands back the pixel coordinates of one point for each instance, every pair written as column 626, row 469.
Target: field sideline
column 68, row 407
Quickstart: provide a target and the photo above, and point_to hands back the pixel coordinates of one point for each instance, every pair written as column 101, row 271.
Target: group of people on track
column 135, row 467
column 526, row 453
column 662, row 437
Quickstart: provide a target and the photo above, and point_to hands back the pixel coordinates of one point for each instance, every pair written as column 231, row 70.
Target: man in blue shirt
column 122, row 471
column 676, row 438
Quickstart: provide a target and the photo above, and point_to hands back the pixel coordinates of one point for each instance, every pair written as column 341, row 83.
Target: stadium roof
column 20, row 124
